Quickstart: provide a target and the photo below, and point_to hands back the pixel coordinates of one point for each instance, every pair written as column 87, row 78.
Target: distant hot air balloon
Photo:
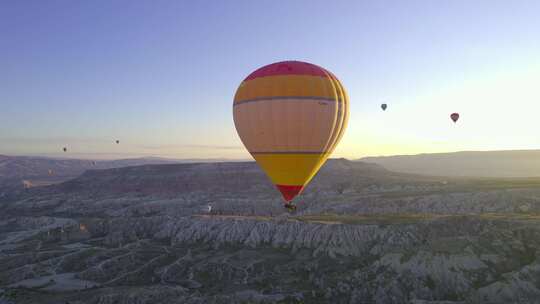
column 65, row 149
column 383, row 107
column 454, row 116
column 291, row 115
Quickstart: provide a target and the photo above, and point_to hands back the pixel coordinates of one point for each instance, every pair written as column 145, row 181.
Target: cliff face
column 362, row 235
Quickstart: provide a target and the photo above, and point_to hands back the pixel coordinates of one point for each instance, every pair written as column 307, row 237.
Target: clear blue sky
column 160, row 75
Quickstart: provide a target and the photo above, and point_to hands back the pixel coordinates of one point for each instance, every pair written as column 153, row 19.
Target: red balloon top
column 289, row 68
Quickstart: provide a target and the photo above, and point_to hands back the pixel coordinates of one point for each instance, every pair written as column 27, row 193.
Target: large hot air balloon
column 291, row 115
column 383, row 107
column 454, row 116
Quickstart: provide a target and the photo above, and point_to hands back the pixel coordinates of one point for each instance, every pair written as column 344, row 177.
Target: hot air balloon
column 383, row 107
column 454, row 116
column 291, row 115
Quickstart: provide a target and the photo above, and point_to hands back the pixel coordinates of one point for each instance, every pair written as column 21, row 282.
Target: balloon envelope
column 291, row 115
column 454, row 116
column 383, row 106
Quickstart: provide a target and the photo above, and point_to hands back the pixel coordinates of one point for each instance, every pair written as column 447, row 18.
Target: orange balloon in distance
column 291, row 115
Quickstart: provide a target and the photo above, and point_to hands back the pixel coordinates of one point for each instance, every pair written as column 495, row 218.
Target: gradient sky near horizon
column 160, row 75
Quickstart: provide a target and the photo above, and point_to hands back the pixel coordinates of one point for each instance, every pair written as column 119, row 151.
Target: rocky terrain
column 362, row 234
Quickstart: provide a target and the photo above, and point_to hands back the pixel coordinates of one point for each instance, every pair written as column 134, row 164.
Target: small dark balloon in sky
column 454, row 116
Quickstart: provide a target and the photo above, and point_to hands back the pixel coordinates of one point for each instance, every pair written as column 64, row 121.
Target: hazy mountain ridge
column 511, row 163
column 29, row 167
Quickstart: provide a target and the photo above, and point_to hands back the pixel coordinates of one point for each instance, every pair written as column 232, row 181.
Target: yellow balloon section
column 290, row 116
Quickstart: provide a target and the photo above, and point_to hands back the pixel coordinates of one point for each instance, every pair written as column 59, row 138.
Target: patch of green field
column 510, row 216
column 498, row 184
column 531, row 182
column 366, row 219
column 408, row 218
column 383, row 219
column 234, row 217
column 469, row 185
